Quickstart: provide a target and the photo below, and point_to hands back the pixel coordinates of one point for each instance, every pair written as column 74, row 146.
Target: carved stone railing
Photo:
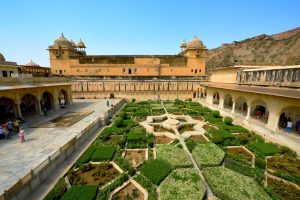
column 287, row 76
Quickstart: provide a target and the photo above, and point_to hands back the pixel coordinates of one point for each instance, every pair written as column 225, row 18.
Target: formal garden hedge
column 86, row 156
column 156, row 170
column 182, row 184
column 103, row 153
column 174, row 155
column 230, row 185
column 86, row 192
column 208, row 154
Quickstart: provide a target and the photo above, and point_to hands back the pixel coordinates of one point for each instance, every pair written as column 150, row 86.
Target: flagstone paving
column 17, row 159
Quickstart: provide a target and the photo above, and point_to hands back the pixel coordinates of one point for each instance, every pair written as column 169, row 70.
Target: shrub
column 104, row 153
column 228, row 120
column 260, row 163
column 85, row 167
column 136, row 138
column 124, row 164
column 150, row 140
column 133, row 100
column 86, row 192
column 118, row 122
column 190, row 143
column 86, row 156
column 216, row 113
column 122, row 114
column 58, row 190
column 222, row 137
column 131, row 104
column 141, row 113
column 156, row 170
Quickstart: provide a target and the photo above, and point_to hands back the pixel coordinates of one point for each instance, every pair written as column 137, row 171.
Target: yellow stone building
column 69, row 59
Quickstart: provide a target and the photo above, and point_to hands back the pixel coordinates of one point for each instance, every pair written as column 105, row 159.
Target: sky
column 127, row 27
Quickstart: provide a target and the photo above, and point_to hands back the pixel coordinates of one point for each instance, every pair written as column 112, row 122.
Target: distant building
column 36, row 70
column 7, row 68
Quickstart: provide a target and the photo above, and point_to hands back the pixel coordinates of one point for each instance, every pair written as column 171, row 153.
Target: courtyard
column 17, row 160
column 180, row 150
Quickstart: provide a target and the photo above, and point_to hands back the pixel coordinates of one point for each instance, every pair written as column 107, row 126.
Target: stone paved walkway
column 18, row 159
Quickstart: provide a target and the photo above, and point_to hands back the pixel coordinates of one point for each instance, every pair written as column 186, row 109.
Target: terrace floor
column 18, row 159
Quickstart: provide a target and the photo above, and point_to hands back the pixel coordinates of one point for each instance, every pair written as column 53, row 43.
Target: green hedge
column 57, row 191
column 136, row 138
column 86, row 156
column 81, row 192
column 156, row 170
column 104, row 153
column 263, row 149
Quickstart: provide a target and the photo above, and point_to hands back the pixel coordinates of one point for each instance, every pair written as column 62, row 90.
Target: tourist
column 289, row 125
column 2, row 136
column 16, row 125
column 22, row 135
column 6, row 133
column 281, row 120
column 107, row 103
column 10, row 127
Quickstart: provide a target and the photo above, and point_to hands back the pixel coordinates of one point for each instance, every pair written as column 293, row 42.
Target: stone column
column 248, row 112
column 233, row 107
column 18, row 108
column 221, row 103
column 38, row 105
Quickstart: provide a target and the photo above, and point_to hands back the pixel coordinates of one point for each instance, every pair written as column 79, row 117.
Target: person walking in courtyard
column 107, row 103
column 22, row 135
column 16, row 125
column 6, row 133
column 289, row 126
column 10, row 127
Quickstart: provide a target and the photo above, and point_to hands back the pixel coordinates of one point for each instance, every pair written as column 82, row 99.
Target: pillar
column 38, row 105
column 18, row 108
column 233, row 107
column 248, row 111
column 221, row 103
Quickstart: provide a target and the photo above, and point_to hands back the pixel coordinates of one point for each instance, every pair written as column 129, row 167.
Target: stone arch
column 47, row 101
column 7, row 109
column 259, row 111
column 63, row 97
column 228, row 101
column 241, row 105
column 216, row 98
column 292, row 112
column 29, row 104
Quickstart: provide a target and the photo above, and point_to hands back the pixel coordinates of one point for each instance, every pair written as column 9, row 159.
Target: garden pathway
column 209, row 193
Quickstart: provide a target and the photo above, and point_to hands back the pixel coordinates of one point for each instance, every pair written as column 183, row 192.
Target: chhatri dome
column 2, row 59
column 195, row 43
column 62, row 42
column 73, row 43
column 183, row 45
column 80, row 44
column 32, row 64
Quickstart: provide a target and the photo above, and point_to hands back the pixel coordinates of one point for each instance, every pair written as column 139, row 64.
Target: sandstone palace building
column 66, row 58
column 130, row 76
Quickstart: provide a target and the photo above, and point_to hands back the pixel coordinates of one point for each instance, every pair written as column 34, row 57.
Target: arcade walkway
column 18, row 159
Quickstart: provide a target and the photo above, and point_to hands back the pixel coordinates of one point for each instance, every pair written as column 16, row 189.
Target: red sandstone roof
column 281, row 92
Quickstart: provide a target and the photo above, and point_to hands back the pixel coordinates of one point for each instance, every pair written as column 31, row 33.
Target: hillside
column 278, row 49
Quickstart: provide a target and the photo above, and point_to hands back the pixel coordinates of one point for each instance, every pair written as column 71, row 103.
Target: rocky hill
column 278, row 49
